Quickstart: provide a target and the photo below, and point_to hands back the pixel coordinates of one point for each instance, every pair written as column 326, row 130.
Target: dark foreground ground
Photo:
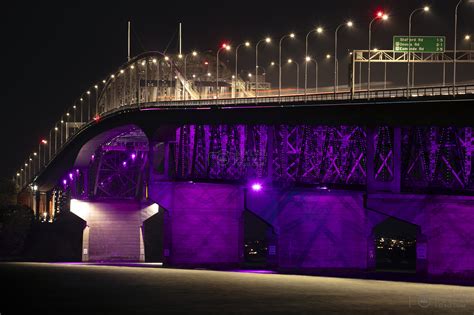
column 86, row 289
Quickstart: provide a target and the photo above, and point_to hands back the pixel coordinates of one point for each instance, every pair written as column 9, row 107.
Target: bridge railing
column 132, row 89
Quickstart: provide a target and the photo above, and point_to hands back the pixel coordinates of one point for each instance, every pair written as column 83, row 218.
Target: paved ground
column 88, row 289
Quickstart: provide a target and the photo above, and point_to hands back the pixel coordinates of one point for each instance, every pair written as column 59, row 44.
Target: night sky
column 51, row 54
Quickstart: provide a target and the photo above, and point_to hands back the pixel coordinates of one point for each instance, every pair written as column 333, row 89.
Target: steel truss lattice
column 438, row 157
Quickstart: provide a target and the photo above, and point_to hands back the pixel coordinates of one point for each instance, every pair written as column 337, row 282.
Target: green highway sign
column 420, row 44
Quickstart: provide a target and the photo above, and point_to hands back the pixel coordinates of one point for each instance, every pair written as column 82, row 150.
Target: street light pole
column 319, row 30
column 348, row 24
column 279, row 60
column 455, row 44
column 267, row 40
column 426, row 9
column 297, row 74
column 55, row 140
column 246, row 44
column 226, row 47
column 194, row 53
column 380, row 15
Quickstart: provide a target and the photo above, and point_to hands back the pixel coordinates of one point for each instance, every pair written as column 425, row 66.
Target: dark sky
column 52, row 53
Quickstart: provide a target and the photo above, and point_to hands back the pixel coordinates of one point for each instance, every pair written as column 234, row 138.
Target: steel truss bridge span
column 153, row 82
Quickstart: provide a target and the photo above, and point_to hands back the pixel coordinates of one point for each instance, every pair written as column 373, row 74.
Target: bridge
column 197, row 146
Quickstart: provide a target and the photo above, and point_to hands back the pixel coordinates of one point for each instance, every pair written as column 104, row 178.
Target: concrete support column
column 205, row 222
column 114, row 229
column 35, row 204
column 315, row 230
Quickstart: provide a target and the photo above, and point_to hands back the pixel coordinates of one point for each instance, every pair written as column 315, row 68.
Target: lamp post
column 292, row 35
column 194, row 54
column 55, row 140
column 226, row 47
column 380, row 16
column 297, row 74
column 42, row 142
column 348, row 24
column 467, row 38
column 266, row 40
column 33, row 162
column 309, row 59
column 62, row 131
column 318, row 30
column 236, row 75
column 88, row 105
column 425, row 9
column 455, row 43
column 96, row 89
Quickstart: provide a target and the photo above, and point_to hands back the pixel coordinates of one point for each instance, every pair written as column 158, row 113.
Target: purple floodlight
column 133, row 156
column 124, row 163
column 256, row 187
column 70, row 176
column 64, row 182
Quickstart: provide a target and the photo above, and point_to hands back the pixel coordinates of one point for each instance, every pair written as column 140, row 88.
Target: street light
column 55, row 139
column 194, row 54
column 318, row 30
column 266, row 40
column 379, row 16
column 226, row 47
column 455, row 43
column 297, row 74
column 236, row 75
column 292, row 35
column 96, row 88
column 42, row 142
column 348, row 24
column 467, row 38
column 424, row 9
column 308, row 60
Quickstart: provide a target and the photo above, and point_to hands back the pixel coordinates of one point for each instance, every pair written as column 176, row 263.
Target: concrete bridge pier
column 444, row 243
column 316, row 229
column 114, row 228
column 205, row 222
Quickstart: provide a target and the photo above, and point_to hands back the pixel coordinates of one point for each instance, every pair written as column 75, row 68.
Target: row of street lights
column 380, row 15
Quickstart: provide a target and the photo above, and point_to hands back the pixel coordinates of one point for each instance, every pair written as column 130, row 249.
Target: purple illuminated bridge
column 323, row 171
